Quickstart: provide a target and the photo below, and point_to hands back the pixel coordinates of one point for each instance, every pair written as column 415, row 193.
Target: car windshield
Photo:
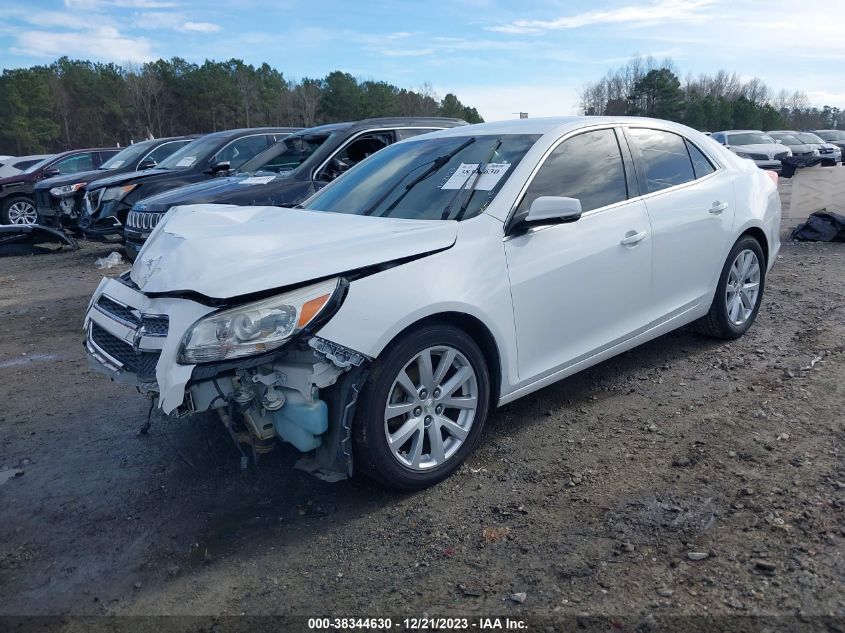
column 127, row 155
column 193, row 153
column 832, row 135
column 808, row 137
column 750, row 138
column 788, row 139
column 285, row 156
column 427, row 179
column 41, row 163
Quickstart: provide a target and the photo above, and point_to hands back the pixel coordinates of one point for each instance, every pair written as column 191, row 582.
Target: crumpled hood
column 224, row 251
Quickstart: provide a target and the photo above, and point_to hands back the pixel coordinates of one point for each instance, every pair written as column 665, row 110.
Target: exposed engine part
column 341, row 356
column 273, row 399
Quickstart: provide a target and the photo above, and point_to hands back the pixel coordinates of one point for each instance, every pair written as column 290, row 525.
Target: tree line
column 645, row 87
column 75, row 103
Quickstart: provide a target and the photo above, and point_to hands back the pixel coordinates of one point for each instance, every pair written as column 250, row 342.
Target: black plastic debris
column 14, row 238
column 821, row 226
column 791, row 163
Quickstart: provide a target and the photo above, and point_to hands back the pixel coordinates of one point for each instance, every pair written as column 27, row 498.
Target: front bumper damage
column 304, row 393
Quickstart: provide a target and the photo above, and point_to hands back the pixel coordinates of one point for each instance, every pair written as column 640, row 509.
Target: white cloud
column 506, row 101
column 96, row 5
column 199, row 27
column 636, row 15
column 103, row 42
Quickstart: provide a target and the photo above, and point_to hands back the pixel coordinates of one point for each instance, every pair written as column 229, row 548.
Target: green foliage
column 723, row 101
column 74, row 103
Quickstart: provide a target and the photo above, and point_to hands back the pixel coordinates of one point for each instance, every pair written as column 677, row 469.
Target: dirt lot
column 685, row 477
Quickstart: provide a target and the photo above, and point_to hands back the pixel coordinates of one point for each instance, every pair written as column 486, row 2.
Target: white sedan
column 376, row 328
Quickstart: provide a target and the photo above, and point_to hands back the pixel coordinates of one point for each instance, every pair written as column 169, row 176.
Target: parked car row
column 123, row 198
column 770, row 149
column 375, row 326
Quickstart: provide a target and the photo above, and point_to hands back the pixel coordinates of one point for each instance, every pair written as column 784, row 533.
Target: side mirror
column 147, row 163
column 216, row 168
column 49, row 172
column 553, row 210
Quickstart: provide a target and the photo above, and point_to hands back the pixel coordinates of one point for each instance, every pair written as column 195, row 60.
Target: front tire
column 423, row 408
column 18, row 210
column 739, row 293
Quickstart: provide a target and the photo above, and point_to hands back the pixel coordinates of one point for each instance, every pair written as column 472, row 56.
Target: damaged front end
column 259, row 365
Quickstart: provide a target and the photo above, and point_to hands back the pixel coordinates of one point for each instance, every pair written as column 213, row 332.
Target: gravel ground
column 686, row 477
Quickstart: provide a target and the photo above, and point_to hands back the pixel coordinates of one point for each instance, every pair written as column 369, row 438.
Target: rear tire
column 737, row 300
column 430, row 393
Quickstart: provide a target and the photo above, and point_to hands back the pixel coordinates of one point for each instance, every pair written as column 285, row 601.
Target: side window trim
column 155, row 149
column 631, row 178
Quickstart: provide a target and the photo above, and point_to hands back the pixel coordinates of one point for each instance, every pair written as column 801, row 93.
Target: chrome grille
column 141, row 363
column 142, row 220
column 149, row 324
column 758, row 157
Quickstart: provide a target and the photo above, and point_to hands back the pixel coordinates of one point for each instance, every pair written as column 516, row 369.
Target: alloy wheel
column 743, row 287
column 430, row 408
column 22, row 212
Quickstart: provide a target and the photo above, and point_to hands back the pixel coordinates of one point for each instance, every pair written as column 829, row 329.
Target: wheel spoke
column 460, row 402
column 398, row 439
column 426, row 372
column 435, row 440
column 415, row 454
column 404, row 381
column 453, row 428
column 734, row 309
column 397, row 409
column 456, row 382
column 443, row 366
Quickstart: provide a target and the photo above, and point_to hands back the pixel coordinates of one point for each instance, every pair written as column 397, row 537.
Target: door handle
column 718, row 207
column 632, row 238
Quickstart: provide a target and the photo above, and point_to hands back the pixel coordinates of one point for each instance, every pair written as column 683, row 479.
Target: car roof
column 559, row 125
column 250, row 130
column 740, row 132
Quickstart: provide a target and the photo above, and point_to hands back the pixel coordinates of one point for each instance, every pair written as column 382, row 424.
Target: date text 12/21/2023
column 417, row 624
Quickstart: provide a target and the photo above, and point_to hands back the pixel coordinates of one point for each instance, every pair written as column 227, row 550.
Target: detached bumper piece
column 32, row 235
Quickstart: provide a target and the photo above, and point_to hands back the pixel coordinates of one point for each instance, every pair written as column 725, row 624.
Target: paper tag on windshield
column 492, row 174
column 186, row 162
column 256, row 180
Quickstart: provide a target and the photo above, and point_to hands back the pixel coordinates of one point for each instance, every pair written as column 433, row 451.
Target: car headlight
column 61, row 192
column 816, row 152
column 117, row 193
column 255, row 328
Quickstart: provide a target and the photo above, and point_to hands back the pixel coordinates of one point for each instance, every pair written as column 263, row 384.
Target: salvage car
column 376, row 327
column 108, row 200
column 17, row 204
column 829, row 153
column 59, row 199
column 800, row 150
column 834, row 137
column 755, row 145
column 286, row 173
column 12, row 165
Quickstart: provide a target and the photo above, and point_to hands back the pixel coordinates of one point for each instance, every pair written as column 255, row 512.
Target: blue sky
column 501, row 57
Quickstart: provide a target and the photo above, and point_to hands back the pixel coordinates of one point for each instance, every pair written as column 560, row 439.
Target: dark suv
column 17, row 204
column 108, row 200
column 58, row 200
column 286, row 173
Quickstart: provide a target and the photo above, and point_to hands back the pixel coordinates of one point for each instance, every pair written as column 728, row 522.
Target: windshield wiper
column 438, row 162
column 475, row 177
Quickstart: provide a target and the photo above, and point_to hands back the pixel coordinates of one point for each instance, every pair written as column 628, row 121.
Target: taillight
column 773, row 175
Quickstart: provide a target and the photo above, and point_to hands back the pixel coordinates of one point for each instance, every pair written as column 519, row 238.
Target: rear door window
column 701, row 165
column 74, row 164
column 241, row 150
column 587, row 167
column 662, row 157
column 165, row 149
column 354, row 152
